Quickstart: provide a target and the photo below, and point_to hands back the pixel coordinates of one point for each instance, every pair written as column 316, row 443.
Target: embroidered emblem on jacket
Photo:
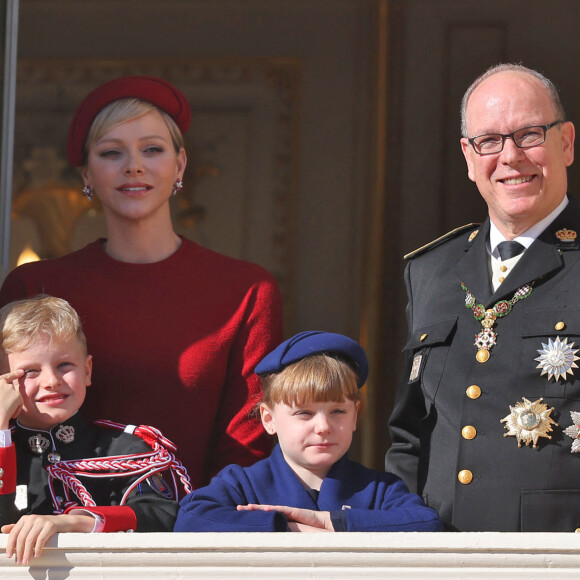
column 38, row 443
column 65, row 433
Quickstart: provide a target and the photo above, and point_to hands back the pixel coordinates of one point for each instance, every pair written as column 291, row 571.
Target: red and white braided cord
column 145, row 465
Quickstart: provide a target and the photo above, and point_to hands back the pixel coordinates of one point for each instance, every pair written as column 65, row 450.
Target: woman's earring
column 177, row 186
column 88, row 192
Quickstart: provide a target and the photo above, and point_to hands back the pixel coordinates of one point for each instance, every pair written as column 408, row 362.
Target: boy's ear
column 356, row 410
column 267, row 419
column 89, row 369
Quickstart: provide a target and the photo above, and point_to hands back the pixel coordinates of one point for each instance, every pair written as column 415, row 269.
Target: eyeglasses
column 524, row 138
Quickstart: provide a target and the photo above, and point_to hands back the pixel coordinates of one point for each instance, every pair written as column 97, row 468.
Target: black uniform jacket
column 448, row 440
column 154, row 512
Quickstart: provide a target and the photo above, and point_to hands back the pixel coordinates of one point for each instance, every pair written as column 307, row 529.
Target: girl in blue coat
column 310, row 401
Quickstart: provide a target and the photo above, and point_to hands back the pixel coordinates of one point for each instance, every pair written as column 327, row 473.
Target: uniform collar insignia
column 567, row 239
column 41, row 440
column 566, row 235
column 65, row 433
column 472, row 235
column 38, row 443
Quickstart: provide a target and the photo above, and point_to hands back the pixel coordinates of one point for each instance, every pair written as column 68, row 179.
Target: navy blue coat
column 371, row 501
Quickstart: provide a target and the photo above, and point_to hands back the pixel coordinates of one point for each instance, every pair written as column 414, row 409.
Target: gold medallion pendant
column 486, row 338
column 529, row 421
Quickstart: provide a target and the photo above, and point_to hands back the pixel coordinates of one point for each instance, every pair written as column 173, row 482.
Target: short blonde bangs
column 25, row 321
column 317, row 378
column 125, row 110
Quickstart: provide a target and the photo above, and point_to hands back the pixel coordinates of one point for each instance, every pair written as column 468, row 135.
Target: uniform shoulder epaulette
column 448, row 236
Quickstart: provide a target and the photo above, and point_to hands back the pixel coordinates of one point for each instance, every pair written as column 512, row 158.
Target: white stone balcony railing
column 401, row 556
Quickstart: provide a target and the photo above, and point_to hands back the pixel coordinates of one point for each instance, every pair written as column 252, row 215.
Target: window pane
column 8, row 44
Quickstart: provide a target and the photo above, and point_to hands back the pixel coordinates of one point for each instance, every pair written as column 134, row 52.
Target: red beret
column 151, row 89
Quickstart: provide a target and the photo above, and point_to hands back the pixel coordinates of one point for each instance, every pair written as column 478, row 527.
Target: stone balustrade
column 237, row 556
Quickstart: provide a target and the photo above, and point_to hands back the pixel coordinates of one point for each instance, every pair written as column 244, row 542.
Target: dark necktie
column 508, row 250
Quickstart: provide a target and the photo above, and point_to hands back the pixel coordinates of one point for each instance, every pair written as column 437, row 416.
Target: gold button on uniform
column 560, row 325
column 469, row 432
column 473, row 392
column 423, row 337
column 501, row 278
column 503, row 268
column 465, row 476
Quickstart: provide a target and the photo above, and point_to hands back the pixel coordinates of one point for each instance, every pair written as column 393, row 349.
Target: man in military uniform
column 487, row 416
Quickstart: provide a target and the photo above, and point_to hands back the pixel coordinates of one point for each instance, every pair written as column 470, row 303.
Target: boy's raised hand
column 299, row 519
column 10, row 397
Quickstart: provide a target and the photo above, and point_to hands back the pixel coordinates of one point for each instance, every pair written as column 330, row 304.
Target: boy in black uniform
column 47, row 369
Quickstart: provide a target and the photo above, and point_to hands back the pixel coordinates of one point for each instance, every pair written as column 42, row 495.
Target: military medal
column 574, row 431
column 486, row 338
column 38, row 443
column 529, row 421
column 557, row 358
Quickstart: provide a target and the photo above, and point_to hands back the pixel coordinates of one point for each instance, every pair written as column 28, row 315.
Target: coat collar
column 473, row 268
column 65, row 436
column 543, row 258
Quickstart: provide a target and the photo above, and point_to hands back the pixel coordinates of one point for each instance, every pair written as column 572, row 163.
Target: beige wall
column 308, row 195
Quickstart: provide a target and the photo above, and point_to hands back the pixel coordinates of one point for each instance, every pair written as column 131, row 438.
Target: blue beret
column 315, row 342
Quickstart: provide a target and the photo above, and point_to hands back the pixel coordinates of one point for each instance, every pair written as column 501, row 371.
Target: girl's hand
column 299, row 519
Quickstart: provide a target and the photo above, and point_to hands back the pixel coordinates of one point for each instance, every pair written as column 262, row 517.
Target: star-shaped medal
column 574, row 431
column 529, row 421
column 557, row 358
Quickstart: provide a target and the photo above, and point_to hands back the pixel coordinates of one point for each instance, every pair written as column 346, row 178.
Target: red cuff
column 118, row 518
column 7, row 470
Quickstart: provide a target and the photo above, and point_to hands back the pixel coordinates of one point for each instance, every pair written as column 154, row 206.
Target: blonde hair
column 316, row 378
column 25, row 321
column 124, row 110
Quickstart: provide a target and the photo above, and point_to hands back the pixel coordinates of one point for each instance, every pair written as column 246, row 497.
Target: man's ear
column 568, row 134
column 267, row 419
column 467, row 153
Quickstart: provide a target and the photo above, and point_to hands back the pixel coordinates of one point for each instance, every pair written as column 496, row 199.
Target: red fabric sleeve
column 7, row 470
column 241, row 438
column 120, row 518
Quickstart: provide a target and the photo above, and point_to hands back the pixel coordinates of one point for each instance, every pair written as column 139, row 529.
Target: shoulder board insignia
column 448, row 236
